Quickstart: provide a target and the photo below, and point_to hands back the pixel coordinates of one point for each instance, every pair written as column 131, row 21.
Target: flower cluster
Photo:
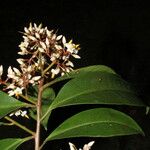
column 85, row 147
column 17, row 80
column 44, row 55
column 44, row 47
column 19, row 113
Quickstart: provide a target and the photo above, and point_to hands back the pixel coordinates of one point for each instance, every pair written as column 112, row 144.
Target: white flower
column 37, row 35
column 65, row 57
column 37, row 28
column 41, row 31
column 55, row 72
column 19, row 113
column 88, row 146
column 72, row 48
column 23, row 46
column 85, row 147
column 54, row 56
column 63, row 40
column 76, row 56
column 24, row 113
column 30, row 27
column 34, row 80
column 23, row 52
column 69, row 63
column 72, row 146
column 43, row 45
column 62, row 74
column 17, row 91
column 29, row 69
column 58, row 47
column 26, row 39
column 20, row 61
column 17, row 71
column 14, row 74
column 1, row 70
column 11, row 73
column 59, row 37
column 32, row 38
column 26, row 30
column 47, row 42
column 53, row 37
column 41, row 49
column 49, row 33
column 68, row 69
column 25, row 43
column 39, row 62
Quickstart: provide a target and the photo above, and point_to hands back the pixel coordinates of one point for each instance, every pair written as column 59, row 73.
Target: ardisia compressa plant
column 27, row 91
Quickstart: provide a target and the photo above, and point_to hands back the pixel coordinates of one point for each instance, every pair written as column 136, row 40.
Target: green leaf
column 96, row 88
column 99, row 122
column 9, row 104
column 11, row 143
column 48, row 96
column 83, row 71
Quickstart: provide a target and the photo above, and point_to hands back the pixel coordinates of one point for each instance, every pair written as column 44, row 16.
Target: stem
column 27, row 99
column 28, row 138
column 49, row 84
column 56, row 80
column 44, row 72
column 20, row 125
column 38, row 126
column 40, row 59
column 43, row 144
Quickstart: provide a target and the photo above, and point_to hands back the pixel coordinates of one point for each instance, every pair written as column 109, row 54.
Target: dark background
column 114, row 33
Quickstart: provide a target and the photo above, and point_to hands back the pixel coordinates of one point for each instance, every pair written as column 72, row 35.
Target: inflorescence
column 44, row 54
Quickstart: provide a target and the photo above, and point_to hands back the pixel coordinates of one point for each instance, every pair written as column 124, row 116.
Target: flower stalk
column 38, row 125
column 20, row 125
column 27, row 99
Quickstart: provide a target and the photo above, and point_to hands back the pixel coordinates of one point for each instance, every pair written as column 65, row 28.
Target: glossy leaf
column 83, row 71
column 99, row 122
column 96, row 88
column 9, row 104
column 11, row 143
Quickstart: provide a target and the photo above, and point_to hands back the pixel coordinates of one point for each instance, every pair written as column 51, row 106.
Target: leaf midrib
column 82, row 93
column 95, row 122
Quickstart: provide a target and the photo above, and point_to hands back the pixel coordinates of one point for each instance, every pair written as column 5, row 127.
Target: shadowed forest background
column 113, row 33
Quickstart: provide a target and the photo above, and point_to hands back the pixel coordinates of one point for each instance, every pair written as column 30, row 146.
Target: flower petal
column 72, row 146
